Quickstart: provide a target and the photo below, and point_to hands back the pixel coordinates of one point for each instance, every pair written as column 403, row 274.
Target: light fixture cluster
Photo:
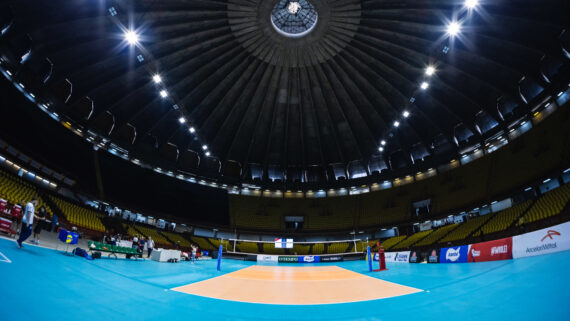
column 452, row 29
column 132, row 38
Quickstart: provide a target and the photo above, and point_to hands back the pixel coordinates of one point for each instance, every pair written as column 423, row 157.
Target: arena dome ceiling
column 361, row 85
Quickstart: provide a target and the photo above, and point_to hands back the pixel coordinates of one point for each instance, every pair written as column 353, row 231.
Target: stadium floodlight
column 207, row 153
column 381, row 149
column 131, row 37
column 182, row 120
column 406, row 114
column 453, row 28
column 383, row 142
column 396, row 123
column 471, row 4
column 192, row 130
column 430, row 70
column 157, row 79
column 204, row 147
column 424, row 85
column 163, row 93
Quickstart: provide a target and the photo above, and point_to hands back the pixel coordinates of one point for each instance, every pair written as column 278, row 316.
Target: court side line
column 177, row 288
column 6, row 259
column 368, row 276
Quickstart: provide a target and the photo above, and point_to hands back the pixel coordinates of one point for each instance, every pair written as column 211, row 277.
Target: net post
column 369, row 258
column 220, row 256
column 381, row 258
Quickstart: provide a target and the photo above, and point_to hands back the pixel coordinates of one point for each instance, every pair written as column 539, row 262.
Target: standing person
column 54, row 223
column 142, row 242
column 42, row 215
column 27, row 221
column 135, row 242
column 149, row 246
column 193, row 253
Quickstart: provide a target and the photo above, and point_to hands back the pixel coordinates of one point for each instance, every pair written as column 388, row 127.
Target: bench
column 112, row 249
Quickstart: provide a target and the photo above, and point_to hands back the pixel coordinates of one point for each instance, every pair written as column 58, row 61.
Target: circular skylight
column 294, row 18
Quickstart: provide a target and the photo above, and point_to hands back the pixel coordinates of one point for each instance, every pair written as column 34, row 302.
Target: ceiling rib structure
column 375, row 87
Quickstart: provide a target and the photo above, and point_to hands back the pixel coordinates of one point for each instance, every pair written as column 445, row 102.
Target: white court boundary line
column 6, row 259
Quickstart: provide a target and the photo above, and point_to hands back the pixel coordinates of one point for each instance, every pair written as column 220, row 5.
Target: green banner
column 288, row 259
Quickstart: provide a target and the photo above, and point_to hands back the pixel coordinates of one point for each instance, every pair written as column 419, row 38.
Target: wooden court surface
column 298, row 285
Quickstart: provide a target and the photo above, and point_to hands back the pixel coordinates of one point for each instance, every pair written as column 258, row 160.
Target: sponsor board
column 433, row 256
column 549, row 240
column 402, row 257
column 309, row 259
column 288, row 259
column 414, row 257
column 491, row 251
column 396, row 257
column 334, row 258
column 456, row 254
column 267, row 258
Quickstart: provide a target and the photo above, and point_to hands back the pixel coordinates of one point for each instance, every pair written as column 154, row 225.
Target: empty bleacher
column 177, row 238
column 318, row 248
column 17, row 191
column 158, row 238
column 411, row 240
column 387, row 244
column 549, row 204
column 464, row 230
column 80, row 216
column 217, row 242
column 335, row 248
column 436, row 235
column 203, row 243
column 299, row 249
column 503, row 219
column 247, row 247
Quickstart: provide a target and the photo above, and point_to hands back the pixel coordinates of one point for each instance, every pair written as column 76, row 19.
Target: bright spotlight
column 132, row 37
column 383, row 142
column 453, row 28
column 424, row 85
column 396, row 123
column 182, row 120
column 163, row 93
column 207, row 153
column 430, row 70
column 471, row 4
column 406, row 114
column 204, row 147
column 381, row 149
column 192, row 130
column 157, row 79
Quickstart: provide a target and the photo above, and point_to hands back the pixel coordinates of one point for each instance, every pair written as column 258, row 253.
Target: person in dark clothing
column 40, row 224
column 27, row 221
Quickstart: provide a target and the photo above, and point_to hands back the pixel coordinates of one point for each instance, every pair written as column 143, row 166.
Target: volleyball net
column 292, row 247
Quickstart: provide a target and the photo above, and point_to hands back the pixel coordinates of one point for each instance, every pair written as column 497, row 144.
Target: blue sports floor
column 43, row 284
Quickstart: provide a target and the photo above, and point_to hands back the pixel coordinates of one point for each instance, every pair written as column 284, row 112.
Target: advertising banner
column 414, row 257
column 433, row 256
column 395, row 257
column 288, row 259
column 491, row 251
column 549, row 240
column 402, row 257
column 333, row 258
column 309, row 259
column 456, row 254
column 267, row 258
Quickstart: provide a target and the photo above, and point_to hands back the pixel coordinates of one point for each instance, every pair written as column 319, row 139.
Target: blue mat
column 43, row 284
